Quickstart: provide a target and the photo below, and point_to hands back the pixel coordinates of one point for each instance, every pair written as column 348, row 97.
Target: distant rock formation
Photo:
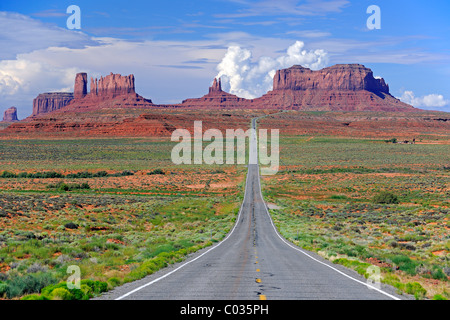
column 80, row 89
column 343, row 87
column 344, row 77
column 48, row 102
column 216, row 87
column 114, row 90
column 112, row 86
column 103, row 93
column 10, row 115
column 216, row 98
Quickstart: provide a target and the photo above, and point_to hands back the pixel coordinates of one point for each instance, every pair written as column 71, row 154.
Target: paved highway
column 253, row 262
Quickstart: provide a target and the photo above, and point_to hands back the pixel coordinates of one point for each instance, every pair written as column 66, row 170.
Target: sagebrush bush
column 61, row 294
column 386, row 197
column 156, row 171
column 405, row 264
column 61, row 186
column 416, row 289
column 87, row 290
column 32, row 283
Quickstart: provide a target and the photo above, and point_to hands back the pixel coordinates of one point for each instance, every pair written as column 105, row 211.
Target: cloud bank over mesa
column 251, row 79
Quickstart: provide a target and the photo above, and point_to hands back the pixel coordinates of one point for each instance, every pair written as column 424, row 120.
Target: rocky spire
column 112, row 85
column 80, row 89
column 217, row 86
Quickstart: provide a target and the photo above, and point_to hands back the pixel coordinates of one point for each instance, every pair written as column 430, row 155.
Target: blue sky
column 176, row 48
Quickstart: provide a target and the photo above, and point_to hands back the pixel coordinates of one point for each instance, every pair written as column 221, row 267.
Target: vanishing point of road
column 253, row 262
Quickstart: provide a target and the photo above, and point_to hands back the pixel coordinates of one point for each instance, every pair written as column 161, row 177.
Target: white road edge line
column 309, row 256
column 185, row 264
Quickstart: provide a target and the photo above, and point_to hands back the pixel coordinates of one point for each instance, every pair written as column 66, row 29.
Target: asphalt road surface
column 253, row 262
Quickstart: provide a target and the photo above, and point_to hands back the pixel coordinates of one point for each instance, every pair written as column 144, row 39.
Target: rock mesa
column 48, row 102
column 112, row 86
column 10, row 115
column 342, row 87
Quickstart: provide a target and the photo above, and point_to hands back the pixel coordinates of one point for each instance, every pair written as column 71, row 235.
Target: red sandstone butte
column 112, row 86
column 216, row 98
column 10, row 115
column 114, row 90
column 345, row 77
column 343, row 87
column 49, row 102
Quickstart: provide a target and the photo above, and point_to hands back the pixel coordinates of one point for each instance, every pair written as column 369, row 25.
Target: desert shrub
column 360, row 267
column 71, row 225
column 32, row 283
column 124, row 173
column 80, row 175
column 386, row 197
column 338, row 197
column 416, row 289
column 46, row 175
column 61, row 186
column 438, row 274
column 87, row 290
column 84, row 185
column 33, row 297
column 36, row 267
column 3, row 288
column 61, row 294
column 114, row 282
column 35, row 175
column 100, row 174
column 404, row 263
column 156, row 171
column 7, row 174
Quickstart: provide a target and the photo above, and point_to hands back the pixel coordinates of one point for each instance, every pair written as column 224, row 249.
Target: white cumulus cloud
column 248, row 79
column 427, row 102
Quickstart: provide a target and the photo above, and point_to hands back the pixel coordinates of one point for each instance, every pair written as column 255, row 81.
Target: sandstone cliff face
column 48, row 102
column 352, row 77
column 10, row 115
column 113, row 90
column 345, row 87
column 112, row 86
